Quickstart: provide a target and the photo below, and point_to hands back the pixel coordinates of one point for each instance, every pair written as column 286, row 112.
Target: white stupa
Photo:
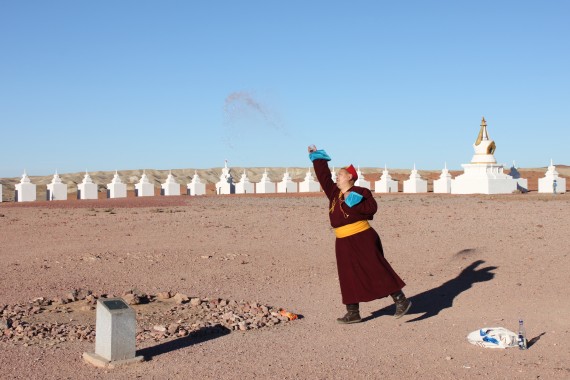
column 386, row 184
column 286, row 185
column 361, row 181
column 443, row 184
column 116, row 189
column 25, row 190
column 87, row 189
column 265, row 186
column 1, row 192
column 170, row 187
column 196, row 186
column 483, row 175
column 56, row 189
column 415, row 184
column 333, row 175
column 244, row 186
column 551, row 182
column 144, row 188
column 226, row 183
column 309, row 185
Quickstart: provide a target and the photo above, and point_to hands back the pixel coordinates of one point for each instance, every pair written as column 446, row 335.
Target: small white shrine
column 443, row 184
column 415, row 183
column 116, row 189
column 56, row 189
column 0, row 192
column 196, row 186
column 483, row 175
column 361, row 181
column 265, row 186
column 170, row 186
column 87, row 189
column 25, row 190
column 386, row 184
column 551, row 182
column 309, row 185
column 226, row 183
column 333, row 175
column 144, row 188
column 286, row 185
column 244, row 186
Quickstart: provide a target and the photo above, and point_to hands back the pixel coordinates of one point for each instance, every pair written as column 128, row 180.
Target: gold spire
column 483, row 128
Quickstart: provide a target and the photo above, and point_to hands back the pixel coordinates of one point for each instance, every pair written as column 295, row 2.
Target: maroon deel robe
column 363, row 273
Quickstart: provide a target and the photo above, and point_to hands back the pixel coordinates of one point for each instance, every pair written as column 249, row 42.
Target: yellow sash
column 351, row 229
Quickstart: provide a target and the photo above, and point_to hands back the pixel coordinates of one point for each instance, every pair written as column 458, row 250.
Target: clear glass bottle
column 522, row 336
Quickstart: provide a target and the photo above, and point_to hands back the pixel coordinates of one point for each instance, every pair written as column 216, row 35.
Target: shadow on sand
column 431, row 302
column 195, row 337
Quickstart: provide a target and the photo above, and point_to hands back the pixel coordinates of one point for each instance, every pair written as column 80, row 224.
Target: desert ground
column 468, row 261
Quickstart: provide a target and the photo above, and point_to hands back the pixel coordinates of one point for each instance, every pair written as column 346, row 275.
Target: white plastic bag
column 493, row 337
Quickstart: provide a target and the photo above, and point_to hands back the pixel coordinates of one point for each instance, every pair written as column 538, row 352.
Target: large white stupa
column 483, row 175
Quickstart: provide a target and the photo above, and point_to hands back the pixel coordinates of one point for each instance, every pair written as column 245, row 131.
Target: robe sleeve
column 367, row 206
column 324, row 176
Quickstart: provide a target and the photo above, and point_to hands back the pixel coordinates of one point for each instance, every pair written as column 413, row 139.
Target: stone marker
column 115, row 330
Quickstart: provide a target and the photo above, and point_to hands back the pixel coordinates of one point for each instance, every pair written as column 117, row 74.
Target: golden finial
column 483, row 122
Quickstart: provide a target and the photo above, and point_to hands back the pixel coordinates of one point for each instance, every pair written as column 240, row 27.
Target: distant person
column 363, row 272
column 554, row 184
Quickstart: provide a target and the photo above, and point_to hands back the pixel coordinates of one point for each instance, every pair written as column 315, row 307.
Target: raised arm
column 320, row 162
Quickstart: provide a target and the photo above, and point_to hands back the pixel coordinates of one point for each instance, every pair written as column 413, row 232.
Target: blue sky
column 104, row 85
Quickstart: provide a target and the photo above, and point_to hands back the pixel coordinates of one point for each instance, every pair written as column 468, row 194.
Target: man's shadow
column 431, row 302
column 195, row 337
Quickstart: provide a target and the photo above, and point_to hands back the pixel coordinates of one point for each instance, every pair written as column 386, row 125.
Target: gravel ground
column 469, row 262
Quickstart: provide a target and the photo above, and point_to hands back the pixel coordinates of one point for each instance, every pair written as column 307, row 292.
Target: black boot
column 352, row 315
column 402, row 304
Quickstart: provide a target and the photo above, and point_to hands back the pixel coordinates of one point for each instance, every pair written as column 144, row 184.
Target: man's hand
column 312, row 148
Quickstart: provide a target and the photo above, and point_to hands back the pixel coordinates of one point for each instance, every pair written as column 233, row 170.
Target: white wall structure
column 286, row 185
column 483, row 175
column 522, row 183
column 56, row 189
column 170, row 186
column 196, row 186
column 386, row 184
column 309, row 185
column 361, row 181
column 226, row 183
column 26, row 189
column 144, row 188
column 244, row 186
column 333, row 175
column 415, row 184
column 551, row 182
column 443, row 184
column 265, row 186
column 116, row 189
column 87, row 189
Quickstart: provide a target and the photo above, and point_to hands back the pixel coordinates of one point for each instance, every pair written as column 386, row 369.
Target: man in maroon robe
column 363, row 272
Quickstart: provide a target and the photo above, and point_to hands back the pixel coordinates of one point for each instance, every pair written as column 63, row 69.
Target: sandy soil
column 469, row 262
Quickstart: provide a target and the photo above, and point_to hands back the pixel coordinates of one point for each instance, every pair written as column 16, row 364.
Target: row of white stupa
column 482, row 176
